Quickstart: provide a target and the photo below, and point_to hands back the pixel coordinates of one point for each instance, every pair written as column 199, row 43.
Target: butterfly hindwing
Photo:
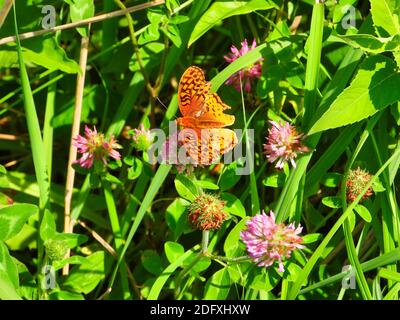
column 205, row 146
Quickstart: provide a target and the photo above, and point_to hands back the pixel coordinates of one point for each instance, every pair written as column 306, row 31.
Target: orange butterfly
column 203, row 136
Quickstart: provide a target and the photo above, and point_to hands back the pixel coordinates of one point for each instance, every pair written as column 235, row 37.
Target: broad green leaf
column 265, row 280
column 229, row 178
column 374, row 88
column 185, row 187
column 217, row 287
column 7, row 290
column 152, row 262
column 221, row 10
column 13, row 218
column 368, row 43
column 7, row 266
column 233, row 205
column 200, row 266
column 363, row 213
column 173, row 250
column 80, row 10
column 176, row 218
column 85, row 277
column 332, row 202
column 43, row 51
column 385, row 14
column 275, row 180
column 232, row 241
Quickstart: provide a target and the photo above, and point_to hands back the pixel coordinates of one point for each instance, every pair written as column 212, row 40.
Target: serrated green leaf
column 374, row 88
column 385, row 14
column 221, row 10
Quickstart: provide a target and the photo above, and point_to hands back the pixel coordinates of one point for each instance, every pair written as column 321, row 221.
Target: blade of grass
column 351, row 250
column 383, row 260
column 37, row 147
column 318, row 252
column 157, row 181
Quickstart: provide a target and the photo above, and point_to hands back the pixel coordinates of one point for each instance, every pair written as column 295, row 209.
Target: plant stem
column 80, row 85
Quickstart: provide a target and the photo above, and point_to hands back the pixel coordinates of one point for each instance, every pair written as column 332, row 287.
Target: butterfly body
column 203, row 134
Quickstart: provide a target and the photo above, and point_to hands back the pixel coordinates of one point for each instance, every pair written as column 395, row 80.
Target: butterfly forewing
column 192, row 91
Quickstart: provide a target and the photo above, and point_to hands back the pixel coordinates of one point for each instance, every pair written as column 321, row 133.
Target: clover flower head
column 247, row 74
column 94, row 146
column 267, row 241
column 284, row 143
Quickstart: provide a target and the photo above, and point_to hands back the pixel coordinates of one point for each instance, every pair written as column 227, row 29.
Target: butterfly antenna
column 160, row 102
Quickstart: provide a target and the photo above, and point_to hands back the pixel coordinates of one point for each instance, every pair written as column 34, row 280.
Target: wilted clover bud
column 357, row 180
column 207, row 212
column 56, row 249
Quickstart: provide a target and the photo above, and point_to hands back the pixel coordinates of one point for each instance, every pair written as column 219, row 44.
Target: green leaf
column 221, row 10
column 48, row 226
column 173, row 250
column 85, row 277
column 377, row 186
column 229, row 178
column 265, row 280
column 136, row 169
column 275, row 180
column 57, row 265
column 47, row 53
column 3, row 177
column 80, row 10
column 374, row 88
column 172, row 32
column 7, row 290
column 363, row 212
column 13, row 218
column 385, row 14
column 232, row 241
column 176, row 218
column 332, row 202
column 152, row 262
column 312, row 237
column 368, row 43
column 207, row 185
column 185, row 187
column 8, row 269
column 233, row 205
column 72, row 240
column 331, row 179
column 217, row 287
